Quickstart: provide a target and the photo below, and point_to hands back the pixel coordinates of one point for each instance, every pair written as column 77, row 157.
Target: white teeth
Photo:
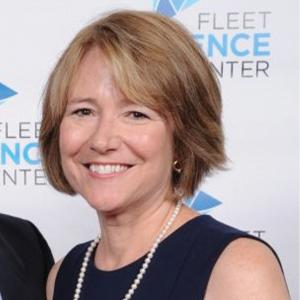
column 108, row 169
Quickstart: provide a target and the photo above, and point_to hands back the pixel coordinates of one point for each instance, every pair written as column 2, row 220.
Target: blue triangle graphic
column 165, row 8
column 189, row 3
column 5, row 92
column 177, row 3
column 155, row 4
column 202, row 201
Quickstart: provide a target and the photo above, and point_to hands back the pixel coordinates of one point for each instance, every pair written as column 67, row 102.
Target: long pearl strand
column 142, row 270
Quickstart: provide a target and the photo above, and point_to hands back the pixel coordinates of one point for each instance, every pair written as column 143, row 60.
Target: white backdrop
column 254, row 47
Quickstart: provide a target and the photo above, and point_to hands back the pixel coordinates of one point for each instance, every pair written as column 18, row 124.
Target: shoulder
column 207, row 226
column 51, row 279
column 14, row 227
column 65, row 269
column 247, row 269
column 234, row 264
column 17, row 232
column 24, row 254
column 213, row 235
column 11, row 222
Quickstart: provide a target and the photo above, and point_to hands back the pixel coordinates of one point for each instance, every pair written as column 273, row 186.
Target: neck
column 138, row 229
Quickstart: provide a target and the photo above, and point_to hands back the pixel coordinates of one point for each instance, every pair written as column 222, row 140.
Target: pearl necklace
column 142, row 270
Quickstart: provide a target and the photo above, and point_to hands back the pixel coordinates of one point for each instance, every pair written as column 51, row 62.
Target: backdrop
column 253, row 46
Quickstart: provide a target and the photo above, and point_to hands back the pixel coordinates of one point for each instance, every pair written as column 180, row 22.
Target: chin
column 106, row 204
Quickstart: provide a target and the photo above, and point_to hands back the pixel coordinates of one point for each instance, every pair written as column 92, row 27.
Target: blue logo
column 18, row 152
column 202, row 202
column 5, row 92
column 171, row 8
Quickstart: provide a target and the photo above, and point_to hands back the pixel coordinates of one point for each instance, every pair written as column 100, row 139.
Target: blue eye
column 82, row 112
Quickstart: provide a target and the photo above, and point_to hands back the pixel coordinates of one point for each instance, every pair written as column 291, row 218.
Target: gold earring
column 176, row 167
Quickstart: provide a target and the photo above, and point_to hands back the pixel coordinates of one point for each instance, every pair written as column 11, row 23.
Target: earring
column 176, row 167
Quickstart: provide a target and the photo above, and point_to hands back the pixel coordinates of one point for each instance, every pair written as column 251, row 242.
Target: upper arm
column 247, row 269
column 44, row 248
column 51, row 280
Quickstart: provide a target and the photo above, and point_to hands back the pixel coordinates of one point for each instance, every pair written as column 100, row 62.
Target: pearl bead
column 142, row 272
column 137, row 281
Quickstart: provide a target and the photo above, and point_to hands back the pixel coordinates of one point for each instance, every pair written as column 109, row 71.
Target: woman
column 25, row 260
column 133, row 112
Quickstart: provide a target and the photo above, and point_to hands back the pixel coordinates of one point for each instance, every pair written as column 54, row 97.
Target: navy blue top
column 180, row 268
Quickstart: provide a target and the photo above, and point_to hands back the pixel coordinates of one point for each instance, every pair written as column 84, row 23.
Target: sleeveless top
column 180, row 268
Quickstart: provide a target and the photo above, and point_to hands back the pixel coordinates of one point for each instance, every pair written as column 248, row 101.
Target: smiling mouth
column 107, row 168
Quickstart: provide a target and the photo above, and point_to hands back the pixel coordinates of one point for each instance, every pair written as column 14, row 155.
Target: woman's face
column 114, row 152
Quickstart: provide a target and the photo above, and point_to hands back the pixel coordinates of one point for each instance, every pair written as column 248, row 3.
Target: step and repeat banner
column 253, row 47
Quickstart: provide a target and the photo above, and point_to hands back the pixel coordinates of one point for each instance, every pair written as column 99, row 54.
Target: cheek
column 70, row 138
column 155, row 143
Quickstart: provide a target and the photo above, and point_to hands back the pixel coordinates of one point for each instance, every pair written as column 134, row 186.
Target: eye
column 82, row 112
column 137, row 115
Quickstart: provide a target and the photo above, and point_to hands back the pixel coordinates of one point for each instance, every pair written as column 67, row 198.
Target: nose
column 105, row 136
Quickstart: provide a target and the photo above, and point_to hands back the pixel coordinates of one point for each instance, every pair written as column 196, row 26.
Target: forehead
column 94, row 78
column 93, row 75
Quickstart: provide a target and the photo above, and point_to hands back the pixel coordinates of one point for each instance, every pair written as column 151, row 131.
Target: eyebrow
column 80, row 100
column 123, row 101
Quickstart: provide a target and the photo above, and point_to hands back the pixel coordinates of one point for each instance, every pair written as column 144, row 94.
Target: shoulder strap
column 211, row 238
column 66, row 278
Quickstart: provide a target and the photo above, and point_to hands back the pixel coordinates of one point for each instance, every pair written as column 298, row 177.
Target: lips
column 108, row 168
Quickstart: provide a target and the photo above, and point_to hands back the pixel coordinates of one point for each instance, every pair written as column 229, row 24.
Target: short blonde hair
column 156, row 62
